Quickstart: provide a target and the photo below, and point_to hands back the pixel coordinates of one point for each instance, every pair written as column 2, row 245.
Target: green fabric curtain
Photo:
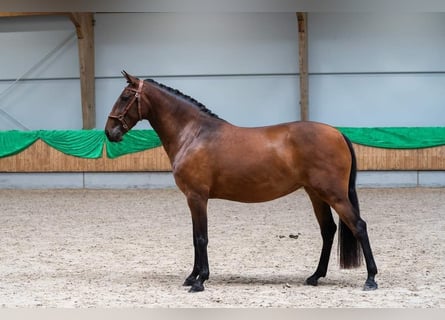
column 82, row 143
column 79, row 143
column 13, row 142
column 90, row 143
column 397, row 137
column 133, row 141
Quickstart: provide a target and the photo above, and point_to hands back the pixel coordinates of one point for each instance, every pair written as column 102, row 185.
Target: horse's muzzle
column 114, row 135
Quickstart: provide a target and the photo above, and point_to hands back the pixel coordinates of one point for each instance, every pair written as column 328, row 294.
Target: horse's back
column 290, row 143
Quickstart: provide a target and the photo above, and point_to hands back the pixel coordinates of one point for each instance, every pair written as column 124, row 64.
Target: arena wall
column 365, row 70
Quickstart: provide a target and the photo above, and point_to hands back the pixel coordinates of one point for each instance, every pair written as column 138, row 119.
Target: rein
column 121, row 117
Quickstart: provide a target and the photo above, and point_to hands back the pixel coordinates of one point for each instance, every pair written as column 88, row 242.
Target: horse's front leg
column 200, row 273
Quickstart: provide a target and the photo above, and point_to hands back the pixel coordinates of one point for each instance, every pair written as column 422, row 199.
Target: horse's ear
column 130, row 79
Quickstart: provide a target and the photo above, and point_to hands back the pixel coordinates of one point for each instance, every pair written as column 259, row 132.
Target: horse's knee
column 201, row 242
column 328, row 232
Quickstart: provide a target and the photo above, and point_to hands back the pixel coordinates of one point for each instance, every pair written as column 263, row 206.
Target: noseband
column 137, row 95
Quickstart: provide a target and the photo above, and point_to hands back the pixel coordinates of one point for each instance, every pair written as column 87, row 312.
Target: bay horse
column 211, row 158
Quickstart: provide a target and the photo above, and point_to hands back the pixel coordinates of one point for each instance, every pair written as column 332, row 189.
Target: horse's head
column 126, row 111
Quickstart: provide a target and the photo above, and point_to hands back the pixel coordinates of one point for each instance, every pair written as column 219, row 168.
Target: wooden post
column 303, row 65
column 84, row 23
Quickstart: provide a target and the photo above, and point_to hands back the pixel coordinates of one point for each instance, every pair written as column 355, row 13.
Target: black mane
column 198, row 104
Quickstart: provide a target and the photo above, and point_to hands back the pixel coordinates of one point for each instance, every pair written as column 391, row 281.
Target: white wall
column 47, row 103
column 376, row 69
column 366, row 69
column 219, row 59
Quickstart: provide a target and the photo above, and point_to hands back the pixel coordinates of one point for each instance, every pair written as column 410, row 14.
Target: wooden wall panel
column 431, row 158
column 404, row 159
column 42, row 158
column 385, row 159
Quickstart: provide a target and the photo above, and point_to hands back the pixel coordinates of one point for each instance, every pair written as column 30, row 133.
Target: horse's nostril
column 107, row 133
column 114, row 135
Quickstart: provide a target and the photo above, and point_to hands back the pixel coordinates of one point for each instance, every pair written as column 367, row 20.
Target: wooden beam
column 84, row 23
column 27, row 14
column 303, row 65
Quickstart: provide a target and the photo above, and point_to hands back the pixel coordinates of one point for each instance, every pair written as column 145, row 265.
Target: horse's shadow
column 251, row 279
column 231, row 279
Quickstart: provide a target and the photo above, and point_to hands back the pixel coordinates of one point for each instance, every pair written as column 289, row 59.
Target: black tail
column 349, row 248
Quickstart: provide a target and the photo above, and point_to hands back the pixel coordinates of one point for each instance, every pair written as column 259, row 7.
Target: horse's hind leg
column 328, row 228
column 355, row 227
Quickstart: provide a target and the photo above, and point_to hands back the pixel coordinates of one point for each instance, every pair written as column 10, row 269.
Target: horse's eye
column 125, row 98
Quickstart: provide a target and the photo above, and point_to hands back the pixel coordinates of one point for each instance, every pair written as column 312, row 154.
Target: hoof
column 370, row 285
column 189, row 282
column 311, row 281
column 197, row 287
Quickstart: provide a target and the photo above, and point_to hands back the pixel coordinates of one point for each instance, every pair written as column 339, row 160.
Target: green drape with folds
column 13, row 142
column 90, row 143
column 79, row 143
column 82, row 144
column 397, row 137
column 133, row 141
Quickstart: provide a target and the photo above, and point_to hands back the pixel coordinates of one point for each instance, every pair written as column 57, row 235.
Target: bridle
column 137, row 96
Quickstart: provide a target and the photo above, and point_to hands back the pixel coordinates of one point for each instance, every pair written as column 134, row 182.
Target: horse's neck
column 174, row 122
